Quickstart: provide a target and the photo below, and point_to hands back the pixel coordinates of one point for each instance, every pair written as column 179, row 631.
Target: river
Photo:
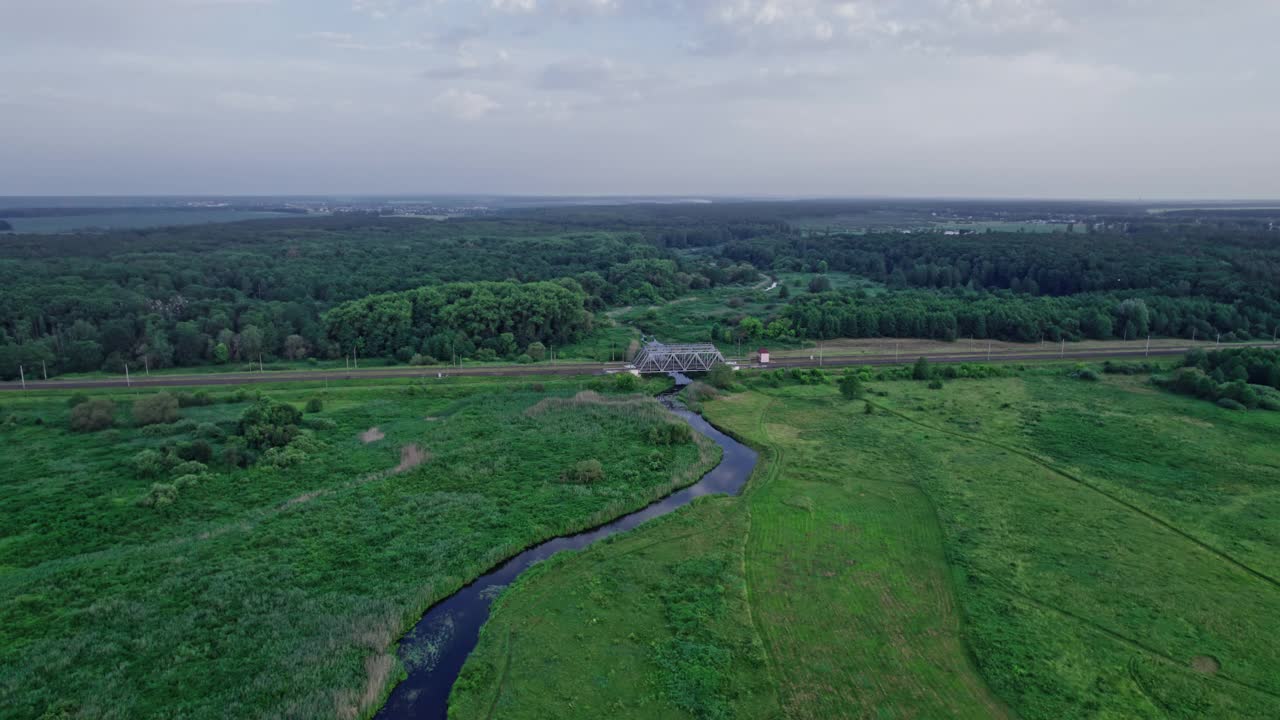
column 435, row 650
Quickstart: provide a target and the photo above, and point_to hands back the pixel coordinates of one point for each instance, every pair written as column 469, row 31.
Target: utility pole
column 23, row 374
column 355, row 358
column 1193, row 336
column 347, row 359
column 896, row 348
column 127, row 381
column 1063, row 352
column 45, row 368
column 1148, row 350
column 1219, row 338
column 146, row 365
column 988, row 350
column 260, row 369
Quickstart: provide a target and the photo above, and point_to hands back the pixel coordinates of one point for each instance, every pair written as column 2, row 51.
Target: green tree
column 750, row 328
column 922, row 369
column 221, row 354
column 850, row 386
column 720, row 376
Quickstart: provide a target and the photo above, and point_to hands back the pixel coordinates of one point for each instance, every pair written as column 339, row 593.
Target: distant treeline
column 1161, row 278
column 1008, row 316
column 319, row 287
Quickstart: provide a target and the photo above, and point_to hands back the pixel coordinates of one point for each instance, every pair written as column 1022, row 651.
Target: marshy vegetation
column 1020, row 544
column 254, row 561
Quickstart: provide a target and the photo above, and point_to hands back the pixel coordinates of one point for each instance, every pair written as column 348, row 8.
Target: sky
column 1116, row 99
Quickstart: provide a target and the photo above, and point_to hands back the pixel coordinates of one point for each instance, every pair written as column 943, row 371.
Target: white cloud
column 465, row 104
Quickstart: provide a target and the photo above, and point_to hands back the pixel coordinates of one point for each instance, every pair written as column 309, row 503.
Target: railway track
column 251, row 378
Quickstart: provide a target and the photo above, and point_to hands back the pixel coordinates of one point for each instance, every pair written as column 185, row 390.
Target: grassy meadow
column 1030, row 546
column 279, row 590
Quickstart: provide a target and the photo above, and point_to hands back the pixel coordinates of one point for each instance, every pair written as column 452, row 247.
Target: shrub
column 315, row 405
column 270, row 423
column 626, row 382
column 236, row 453
column 196, row 450
column 585, row 472
column 150, row 463
column 699, row 392
column 210, row 431
column 283, row 457
column 190, row 480
column 1229, row 404
column 93, row 415
column 199, row 399
column 922, row 369
column 158, row 409
column 524, row 359
column 850, row 386
column 670, row 433
column 720, row 376
column 536, row 350
column 77, row 399
column 160, row 495
column 190, row 467
column 935, row 384
column 1086, row 373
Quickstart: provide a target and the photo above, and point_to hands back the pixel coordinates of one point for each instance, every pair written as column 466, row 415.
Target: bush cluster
column 93, row 415
column 584, row 472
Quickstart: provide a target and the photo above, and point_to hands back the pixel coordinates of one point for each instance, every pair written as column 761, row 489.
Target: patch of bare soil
column 373, row 434
column 1206, row 664
column 411, row 456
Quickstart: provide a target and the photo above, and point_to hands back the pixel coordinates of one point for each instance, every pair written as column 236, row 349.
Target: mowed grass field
column 279, row 592
column 1032, row 546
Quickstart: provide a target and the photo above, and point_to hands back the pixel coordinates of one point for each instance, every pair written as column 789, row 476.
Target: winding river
column 435, row 650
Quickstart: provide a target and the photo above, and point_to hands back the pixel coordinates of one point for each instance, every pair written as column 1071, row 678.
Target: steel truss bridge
column 655, row 357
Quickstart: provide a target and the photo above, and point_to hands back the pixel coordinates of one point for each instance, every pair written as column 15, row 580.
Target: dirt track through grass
column 847, row 581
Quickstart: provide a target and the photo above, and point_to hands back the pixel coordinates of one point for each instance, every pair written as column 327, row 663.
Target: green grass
column 1030, row 546
column 642, row 625
column 281, row 592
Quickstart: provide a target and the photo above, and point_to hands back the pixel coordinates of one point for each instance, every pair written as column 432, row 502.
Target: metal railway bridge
column 655, row 357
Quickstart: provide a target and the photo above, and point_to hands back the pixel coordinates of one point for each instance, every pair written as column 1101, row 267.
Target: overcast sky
column 1064, row 98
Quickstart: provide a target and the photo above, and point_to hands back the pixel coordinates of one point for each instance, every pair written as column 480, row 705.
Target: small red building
column 764, row 356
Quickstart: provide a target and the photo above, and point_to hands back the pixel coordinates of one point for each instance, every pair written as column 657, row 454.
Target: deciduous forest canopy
column 489, row 287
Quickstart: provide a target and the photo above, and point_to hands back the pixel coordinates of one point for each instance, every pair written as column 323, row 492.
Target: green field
column 1032, row 546
column 279, row 592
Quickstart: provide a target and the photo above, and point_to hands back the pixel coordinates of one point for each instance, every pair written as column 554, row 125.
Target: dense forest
column 241, row 291
column 495, row 286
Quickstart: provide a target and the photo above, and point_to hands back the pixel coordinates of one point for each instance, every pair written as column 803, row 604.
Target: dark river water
column 435, row 650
